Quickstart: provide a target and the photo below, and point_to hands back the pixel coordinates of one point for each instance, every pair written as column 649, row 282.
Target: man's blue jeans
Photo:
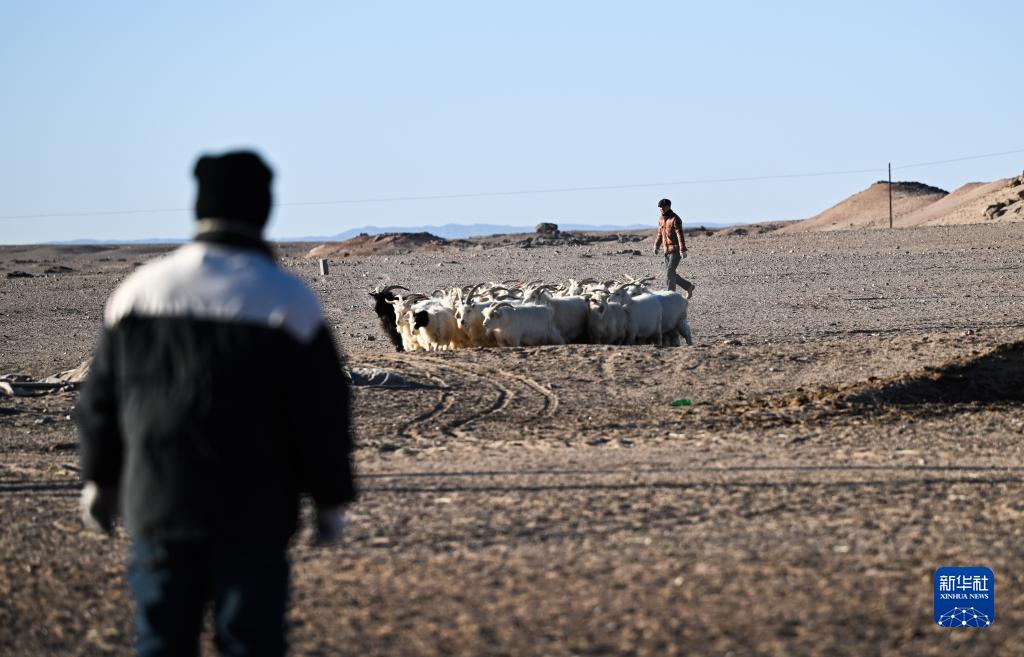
column 173, row 583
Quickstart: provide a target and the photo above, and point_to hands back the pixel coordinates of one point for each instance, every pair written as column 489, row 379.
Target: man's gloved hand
column 330, row 525
column 683, row 254
column 655, row 250
column 98, row 507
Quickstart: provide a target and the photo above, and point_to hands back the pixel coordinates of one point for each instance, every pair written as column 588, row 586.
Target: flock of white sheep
column 513, row 314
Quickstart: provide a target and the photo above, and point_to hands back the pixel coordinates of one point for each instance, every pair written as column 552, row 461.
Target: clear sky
column 107, row 104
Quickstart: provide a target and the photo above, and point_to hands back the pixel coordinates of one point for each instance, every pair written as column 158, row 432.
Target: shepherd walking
column 670, row 235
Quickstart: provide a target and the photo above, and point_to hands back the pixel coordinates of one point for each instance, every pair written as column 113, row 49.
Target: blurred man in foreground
column 215, row 400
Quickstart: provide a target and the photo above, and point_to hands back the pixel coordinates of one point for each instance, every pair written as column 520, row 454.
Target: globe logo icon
column 964, row 597
column 964, row 617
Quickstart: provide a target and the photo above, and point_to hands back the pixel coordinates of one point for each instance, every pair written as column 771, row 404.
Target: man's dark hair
column 664, row 203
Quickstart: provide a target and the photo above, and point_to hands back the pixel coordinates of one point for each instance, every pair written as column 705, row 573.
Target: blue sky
column 107, row 105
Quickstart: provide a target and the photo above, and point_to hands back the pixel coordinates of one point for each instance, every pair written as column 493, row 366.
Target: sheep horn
column 472, row 291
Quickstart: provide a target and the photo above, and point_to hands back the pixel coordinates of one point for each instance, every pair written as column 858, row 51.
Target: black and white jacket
column 216, row 397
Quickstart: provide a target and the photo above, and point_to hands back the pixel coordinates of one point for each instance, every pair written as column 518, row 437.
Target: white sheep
column 433, row 324
column 403, row 320
column 571, row 312
column 521, row 325
column 607, row 323
column 674, row 322
column 644, row 315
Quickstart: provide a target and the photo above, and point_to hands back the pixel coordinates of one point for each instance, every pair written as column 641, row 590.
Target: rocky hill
column 1002, row 200
column 870, row 208
column 382, row 244
column 917, row 204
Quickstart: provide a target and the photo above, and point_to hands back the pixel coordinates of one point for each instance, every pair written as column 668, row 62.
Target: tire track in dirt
column 503, row 401
column 551, row 400
column 411, row 428
column 448, row 417
column 472, row 393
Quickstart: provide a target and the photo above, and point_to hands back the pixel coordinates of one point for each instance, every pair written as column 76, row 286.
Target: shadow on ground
column 994, row 377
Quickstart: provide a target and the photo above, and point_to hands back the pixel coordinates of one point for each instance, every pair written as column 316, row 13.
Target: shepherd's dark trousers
column 173, row 583
column 671, row 277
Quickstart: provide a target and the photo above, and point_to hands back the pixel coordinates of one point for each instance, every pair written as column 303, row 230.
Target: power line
column 436, row 197
column 960, row 159
column 554, row 190
column 596, row 188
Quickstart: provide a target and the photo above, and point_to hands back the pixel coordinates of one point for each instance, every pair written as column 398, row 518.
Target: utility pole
column 890, row 195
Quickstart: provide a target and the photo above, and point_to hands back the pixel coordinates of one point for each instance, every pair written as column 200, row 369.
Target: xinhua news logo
column 965, row 597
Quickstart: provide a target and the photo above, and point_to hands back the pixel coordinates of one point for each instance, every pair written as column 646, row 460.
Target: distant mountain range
column 447, row 231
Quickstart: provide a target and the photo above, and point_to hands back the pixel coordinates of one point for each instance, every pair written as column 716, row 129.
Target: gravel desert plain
column 856, row 422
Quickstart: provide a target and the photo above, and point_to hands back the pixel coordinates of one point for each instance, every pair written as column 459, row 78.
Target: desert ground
column 856, row 422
